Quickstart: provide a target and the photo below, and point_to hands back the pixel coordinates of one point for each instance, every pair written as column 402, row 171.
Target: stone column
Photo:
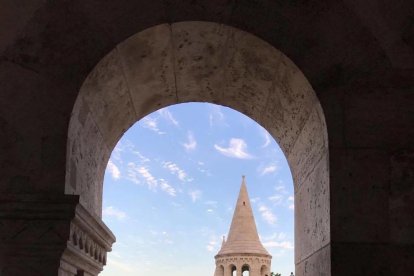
column 255, row 270
column 239, row 270
column 227, row 270
column 38, row 234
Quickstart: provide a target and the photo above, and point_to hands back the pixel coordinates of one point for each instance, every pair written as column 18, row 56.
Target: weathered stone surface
column 289, row 106
column 147, row 60
column 360, row 195
column 200, row 51
column 28, row 154
column 33, row 231
column 107, row 94
column 36, row 229
column 310, row 146
column 360, row 259
column 252, row 71
column 379, row 117
column 312, row 212
column 319, row 263
column 401, row 259
column 11, row 9
column 401, row 214
column 332, row 103
column 84, row 168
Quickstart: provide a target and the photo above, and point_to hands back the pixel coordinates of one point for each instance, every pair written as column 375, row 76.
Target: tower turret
column 243, row 250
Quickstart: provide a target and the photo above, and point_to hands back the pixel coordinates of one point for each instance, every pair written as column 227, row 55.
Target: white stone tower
column 243, row 251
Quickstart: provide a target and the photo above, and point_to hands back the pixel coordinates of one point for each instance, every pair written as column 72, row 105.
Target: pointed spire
column 243, row 237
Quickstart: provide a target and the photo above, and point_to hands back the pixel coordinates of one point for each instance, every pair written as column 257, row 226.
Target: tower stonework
column 243, row 251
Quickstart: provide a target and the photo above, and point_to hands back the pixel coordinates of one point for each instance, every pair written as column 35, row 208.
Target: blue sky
column 171, row 185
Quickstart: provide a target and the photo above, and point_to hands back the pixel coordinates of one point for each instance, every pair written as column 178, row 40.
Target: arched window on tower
column 245, row 270
column 263, row 271
column 220, row 271
column 233, row 270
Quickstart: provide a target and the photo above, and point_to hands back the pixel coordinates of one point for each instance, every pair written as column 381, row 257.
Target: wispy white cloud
column 281, row 197
column 127, row 147
column 113, row 170
column 191, row 143
column 216, row 116
column 275, row 236
column 267, row 138
column 195, row 195
column 167, row 115
column 212, row 243
column 176, row 170
column 167, row 187
column 132, row 173
column 111, row 211
column 202, row 169
column 116, row 152
column 141, row 157
column 237, row 149
column 281, row 189
column 276, row 199
column 277, row 240
column 141, row 174
column 152, row 124
column 150, row 180
column 255, row 199
column 267, row 214
column 271, row 168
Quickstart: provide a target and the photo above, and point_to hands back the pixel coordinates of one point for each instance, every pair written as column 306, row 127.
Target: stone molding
column 238, row 261
column 89, row 241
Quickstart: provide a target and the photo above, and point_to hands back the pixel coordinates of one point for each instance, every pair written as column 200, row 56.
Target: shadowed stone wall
column 357, row 55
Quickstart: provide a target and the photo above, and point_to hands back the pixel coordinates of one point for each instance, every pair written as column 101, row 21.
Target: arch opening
column 233, row 270
column 205, row 62
column 245, row 270
column 196, row 193
column 264, row 270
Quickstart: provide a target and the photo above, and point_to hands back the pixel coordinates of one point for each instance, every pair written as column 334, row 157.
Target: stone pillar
column 37, row 236
column 254, row 270
column 239, row 270
column 219, row 270
column 227, row 270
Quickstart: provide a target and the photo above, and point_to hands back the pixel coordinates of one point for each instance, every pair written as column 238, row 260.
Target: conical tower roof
column 243, row 237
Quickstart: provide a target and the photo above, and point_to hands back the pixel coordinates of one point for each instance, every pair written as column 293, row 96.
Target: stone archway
column 206, row 62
